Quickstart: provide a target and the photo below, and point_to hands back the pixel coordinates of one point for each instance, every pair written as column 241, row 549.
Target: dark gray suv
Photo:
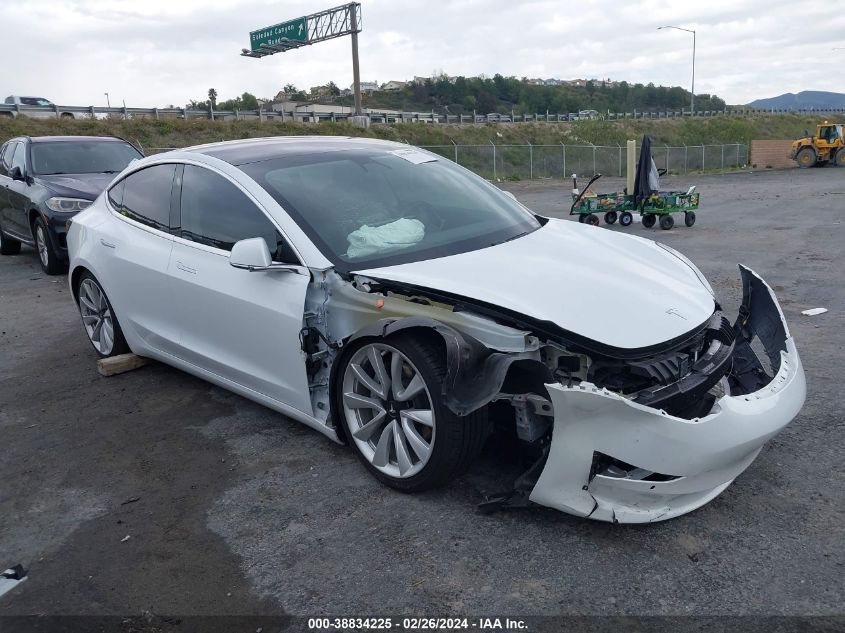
column 45, row 180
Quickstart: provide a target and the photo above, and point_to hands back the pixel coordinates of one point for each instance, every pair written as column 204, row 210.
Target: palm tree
column 212, row 97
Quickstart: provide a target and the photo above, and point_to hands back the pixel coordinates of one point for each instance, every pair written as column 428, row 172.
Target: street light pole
column 692, row 89
column 108, row 103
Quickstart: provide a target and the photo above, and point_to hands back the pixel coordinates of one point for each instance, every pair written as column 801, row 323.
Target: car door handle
column 187, row 269
column 107, row 244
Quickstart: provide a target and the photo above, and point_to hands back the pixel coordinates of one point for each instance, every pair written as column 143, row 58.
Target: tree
column 333, row 89
column 248, row 101
column 212, row 97
column 290, row 89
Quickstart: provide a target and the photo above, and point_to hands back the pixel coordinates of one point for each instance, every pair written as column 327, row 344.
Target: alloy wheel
column 96, row 316
column 388, row 410
column 41, row 243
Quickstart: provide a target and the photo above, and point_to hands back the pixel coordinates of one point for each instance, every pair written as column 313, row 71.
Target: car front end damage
column 614, row 459
column 628, row 436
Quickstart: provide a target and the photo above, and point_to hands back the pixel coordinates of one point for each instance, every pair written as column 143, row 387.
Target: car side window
column 116, row 194
column 145, row 196
column 19, row 157
column 216, row 213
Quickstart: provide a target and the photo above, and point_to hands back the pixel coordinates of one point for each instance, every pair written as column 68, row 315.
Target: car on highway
column 395, row 301
column 36, row 108
column 587, row 115
column 45, row 180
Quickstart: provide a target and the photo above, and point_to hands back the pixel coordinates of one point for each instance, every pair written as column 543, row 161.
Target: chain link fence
column 528, row 162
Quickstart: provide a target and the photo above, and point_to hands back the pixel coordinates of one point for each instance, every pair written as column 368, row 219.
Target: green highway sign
column 295, row 30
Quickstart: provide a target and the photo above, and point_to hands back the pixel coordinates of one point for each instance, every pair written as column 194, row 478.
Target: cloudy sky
column 158, row 52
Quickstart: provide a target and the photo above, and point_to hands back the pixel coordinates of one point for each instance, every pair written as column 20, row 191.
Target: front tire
column 626, row 218
column 389, row 406
column 689, row 218
column 839, row 158
column 806, row 157
column 98, row 318
column 50, row 262
column 648, row 220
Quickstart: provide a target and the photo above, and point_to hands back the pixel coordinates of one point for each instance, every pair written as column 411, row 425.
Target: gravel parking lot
column 234, row 509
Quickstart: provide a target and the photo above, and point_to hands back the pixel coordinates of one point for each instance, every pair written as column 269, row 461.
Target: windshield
column 81, row 157
column 380, row 207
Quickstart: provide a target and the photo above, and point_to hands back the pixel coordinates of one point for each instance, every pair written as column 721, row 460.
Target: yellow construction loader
column 827, row 145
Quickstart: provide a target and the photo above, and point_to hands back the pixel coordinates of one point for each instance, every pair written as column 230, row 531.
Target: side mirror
column 17, row 174
column 253, row 255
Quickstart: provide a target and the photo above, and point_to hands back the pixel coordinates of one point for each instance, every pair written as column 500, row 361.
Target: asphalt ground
column 231, row 508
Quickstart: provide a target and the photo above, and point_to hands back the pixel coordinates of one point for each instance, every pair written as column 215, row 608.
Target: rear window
column 81, row 157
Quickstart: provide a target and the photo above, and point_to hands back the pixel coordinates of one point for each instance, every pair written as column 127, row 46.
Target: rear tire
column 689, row 218
column 806, row 157
column 8, row 246
column 839, row 158
column 425, row 448
column 648, row 220
column 98, row 318
column 626, row 218
column 581, row 218
column 610, row 217
column 592, row 220
column 667, row 222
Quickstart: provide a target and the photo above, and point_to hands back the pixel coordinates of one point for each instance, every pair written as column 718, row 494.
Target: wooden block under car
column 120, row 364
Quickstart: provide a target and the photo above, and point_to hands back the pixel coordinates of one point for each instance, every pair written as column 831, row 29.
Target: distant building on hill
column 366, row 86
column 394, row 85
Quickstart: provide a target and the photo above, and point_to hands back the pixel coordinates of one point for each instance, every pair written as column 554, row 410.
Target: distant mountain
column 807, row 99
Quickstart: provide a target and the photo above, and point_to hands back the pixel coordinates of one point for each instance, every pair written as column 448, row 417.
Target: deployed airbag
column 369, row 240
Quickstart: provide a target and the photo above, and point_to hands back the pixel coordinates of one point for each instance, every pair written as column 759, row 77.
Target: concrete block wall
column 772, row 154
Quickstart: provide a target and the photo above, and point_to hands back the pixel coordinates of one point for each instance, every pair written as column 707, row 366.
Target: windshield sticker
column 414, row 156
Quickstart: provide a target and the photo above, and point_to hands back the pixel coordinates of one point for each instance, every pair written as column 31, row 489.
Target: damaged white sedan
column 397, row 302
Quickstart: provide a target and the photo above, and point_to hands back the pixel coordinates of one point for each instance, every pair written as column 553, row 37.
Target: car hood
column 616, row 289
column 87, row 186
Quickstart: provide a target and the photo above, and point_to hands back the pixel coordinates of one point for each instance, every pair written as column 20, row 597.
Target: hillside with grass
column 170, row 133
column 482, row 95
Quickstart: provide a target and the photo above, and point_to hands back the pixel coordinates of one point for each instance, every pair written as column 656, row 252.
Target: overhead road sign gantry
column 278, row 34
column 311, row 29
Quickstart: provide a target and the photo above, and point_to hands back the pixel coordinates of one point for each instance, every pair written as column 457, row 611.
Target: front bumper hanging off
column 678, row 465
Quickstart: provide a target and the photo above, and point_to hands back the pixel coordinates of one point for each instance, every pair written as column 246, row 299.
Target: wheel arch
column 474, row 372
column 32, row 216
column 75, row 275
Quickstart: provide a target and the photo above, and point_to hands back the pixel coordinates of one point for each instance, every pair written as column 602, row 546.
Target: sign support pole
column 356, row 75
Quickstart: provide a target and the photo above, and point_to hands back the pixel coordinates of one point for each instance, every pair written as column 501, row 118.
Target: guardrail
column 91, row 112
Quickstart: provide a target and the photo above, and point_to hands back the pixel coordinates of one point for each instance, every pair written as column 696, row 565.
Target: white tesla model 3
column 393, row 300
